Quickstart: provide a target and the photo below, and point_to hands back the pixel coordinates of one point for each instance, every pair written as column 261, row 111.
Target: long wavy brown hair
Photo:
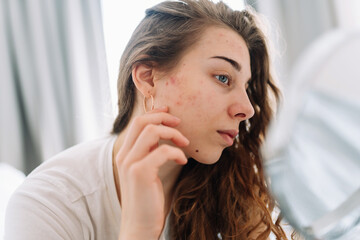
column 229, row 199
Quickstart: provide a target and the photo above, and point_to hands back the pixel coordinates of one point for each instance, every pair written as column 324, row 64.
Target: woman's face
column 207, row 91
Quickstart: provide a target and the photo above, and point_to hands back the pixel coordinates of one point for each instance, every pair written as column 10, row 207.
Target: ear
column 143, row 78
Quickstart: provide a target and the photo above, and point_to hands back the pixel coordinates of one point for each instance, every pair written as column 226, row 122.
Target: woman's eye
column 222, row 78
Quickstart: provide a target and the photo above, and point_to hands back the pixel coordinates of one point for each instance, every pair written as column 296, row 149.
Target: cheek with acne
column 173, row 80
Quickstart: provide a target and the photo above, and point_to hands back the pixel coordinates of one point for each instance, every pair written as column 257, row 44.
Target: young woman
column 183, row 161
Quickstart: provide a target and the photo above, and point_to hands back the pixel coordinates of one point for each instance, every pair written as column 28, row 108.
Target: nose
column 241, row 108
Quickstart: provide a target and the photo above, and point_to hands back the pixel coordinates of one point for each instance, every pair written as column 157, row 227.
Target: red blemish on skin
column 192, row 98
column 178, row 103
column 167, row 83
column 173, row 80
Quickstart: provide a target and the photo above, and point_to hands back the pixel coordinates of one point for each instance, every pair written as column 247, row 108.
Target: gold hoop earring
column 152, row 103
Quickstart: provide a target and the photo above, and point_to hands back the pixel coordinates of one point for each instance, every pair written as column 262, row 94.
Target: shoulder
column 39, row 209
column 52, row 199
column 78, row 170
column 82, row 154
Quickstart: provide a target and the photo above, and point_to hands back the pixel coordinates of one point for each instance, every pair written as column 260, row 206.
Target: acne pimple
column 190, row 98
column 173, row 80
column 167, row 83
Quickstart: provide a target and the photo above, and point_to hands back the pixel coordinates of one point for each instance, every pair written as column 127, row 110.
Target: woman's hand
column 138, row 161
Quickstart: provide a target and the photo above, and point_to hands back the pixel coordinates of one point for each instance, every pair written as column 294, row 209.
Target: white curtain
column 54, row 89
column 294, row 25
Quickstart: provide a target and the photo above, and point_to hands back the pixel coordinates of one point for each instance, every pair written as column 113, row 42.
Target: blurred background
column 59, row 63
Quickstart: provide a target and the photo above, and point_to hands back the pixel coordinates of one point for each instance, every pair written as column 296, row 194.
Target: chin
column 204, row 153
column 207, row 162
column 208, row 158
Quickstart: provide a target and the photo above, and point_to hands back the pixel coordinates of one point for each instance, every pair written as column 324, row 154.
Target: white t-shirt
column 10, row 180
column 70, row 196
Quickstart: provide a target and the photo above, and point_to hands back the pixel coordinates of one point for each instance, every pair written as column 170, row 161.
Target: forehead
column 221, row 41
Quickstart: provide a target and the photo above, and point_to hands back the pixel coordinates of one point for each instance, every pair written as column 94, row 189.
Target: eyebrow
column 236, row 65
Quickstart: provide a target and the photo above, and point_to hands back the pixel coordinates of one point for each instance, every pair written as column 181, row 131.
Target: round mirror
column 312, row 150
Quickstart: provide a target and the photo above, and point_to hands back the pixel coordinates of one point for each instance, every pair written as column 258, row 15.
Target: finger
column 150, row 137
column 140, row 122
column 158, row 157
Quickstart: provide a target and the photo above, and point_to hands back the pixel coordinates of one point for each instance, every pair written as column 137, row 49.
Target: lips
column 228, row 135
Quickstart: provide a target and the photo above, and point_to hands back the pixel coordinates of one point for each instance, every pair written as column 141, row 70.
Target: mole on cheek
column 196, row 150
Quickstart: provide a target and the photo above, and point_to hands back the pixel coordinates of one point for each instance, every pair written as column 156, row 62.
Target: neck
column 168, row 173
